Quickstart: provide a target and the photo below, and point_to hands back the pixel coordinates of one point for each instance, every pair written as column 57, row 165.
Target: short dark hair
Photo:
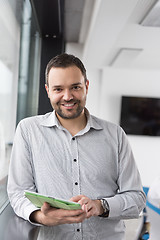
column 63, row 61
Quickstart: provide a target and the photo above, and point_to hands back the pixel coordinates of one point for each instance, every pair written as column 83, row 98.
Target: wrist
column 105, row 208
column 100, row 208
column 35, row 217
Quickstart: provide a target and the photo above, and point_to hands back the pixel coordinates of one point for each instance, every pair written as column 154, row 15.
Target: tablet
column 38, row 200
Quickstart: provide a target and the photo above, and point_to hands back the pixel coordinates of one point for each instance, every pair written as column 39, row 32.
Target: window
column 9, row 61
column 20, row 46
column 28, row 86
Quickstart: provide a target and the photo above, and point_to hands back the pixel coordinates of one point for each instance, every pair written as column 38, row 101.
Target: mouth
column 69, row 105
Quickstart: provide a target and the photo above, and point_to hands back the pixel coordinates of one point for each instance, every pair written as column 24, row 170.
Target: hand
column 50, row 216
column 91, row 207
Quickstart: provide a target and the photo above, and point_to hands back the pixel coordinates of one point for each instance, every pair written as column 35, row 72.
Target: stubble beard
column 63, row 115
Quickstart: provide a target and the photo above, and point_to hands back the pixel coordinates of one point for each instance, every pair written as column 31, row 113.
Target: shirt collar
column 91, row 121
column 50, row 120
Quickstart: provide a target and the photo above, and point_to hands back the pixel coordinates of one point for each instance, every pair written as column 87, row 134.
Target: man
column 71, row 154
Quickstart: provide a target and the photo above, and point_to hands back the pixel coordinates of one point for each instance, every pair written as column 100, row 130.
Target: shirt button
column 78, row 230
column 76, row 183
column 75, row 160
column 73, row 138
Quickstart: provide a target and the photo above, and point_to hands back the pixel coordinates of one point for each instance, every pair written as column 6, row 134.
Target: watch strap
column 105, row 206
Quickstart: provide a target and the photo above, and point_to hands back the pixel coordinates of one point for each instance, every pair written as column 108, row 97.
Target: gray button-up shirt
column 96, row 162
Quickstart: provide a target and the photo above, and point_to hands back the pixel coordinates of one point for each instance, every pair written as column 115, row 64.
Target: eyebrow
column 75, row 84
column 72, row 85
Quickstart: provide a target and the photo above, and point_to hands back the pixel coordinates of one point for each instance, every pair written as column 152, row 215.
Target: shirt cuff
column 28, row 210
column 114, row 206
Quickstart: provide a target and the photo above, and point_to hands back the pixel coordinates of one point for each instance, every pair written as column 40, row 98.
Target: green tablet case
column 38, row 200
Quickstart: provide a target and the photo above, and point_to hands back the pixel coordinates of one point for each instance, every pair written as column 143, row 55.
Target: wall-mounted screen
column 140, row 115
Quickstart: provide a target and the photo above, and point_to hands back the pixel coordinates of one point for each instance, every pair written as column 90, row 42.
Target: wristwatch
column 105, row 206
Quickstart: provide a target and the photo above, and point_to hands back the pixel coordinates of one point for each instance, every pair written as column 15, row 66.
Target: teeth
column 69, row 105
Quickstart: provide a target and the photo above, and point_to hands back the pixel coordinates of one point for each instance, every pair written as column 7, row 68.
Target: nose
column 67, row 95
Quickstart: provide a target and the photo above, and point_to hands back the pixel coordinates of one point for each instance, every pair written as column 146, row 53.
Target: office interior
column 118, row 41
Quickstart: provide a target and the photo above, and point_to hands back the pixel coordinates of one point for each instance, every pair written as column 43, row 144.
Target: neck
column 73, row 125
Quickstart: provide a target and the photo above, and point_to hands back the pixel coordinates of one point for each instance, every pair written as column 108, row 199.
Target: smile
column 69, row 105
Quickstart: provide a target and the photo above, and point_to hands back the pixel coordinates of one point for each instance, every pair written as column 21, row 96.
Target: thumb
column 45, row 207
column 76, row 198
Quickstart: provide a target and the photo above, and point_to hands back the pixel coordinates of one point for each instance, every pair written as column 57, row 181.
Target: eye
column 76, row 88
column 57, row 90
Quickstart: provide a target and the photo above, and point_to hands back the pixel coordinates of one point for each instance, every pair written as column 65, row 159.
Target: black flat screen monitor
column 140, row 115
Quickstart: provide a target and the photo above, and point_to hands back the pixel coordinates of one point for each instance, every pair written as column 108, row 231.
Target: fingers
column 47, row 209
column 71, row 213
column 53, row 216
column 76, row 198
column 83, row 200
column 86, row 203
column 91, row 207
column 76, row 219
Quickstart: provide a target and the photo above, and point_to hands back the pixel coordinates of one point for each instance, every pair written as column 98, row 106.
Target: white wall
column 118, row 82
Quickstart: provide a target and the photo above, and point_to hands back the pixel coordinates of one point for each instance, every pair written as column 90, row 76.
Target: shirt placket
column 76, row 180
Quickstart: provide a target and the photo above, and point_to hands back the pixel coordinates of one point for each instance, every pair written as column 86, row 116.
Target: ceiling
column 73, row 11
column 111, row 33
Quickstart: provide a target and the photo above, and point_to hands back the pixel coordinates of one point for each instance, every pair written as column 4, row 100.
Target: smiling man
column 67, row 90
column 71, row 154
column 68, row 98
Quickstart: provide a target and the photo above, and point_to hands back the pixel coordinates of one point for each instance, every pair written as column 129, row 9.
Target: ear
column 47, row 89
column 87, row 85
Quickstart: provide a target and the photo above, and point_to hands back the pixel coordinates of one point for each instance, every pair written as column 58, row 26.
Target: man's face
column 67, row 91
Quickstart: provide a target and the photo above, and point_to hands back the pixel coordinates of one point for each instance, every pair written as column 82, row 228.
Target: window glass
column 20, row 46
column 9, row 61
column 28, row 87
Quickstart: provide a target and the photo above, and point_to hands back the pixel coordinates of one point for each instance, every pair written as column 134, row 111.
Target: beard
column 69, row 113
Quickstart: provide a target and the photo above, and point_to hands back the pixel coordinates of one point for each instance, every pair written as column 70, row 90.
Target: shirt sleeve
column 21, row 176
column 130, row 198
